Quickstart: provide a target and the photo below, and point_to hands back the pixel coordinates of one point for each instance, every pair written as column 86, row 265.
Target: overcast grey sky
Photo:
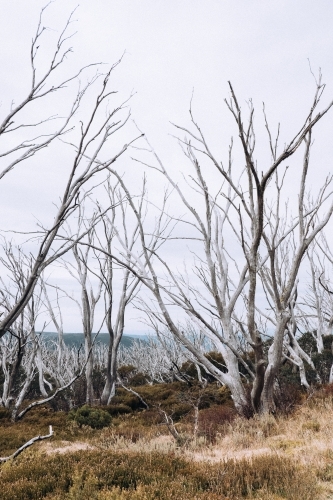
column 173, row 47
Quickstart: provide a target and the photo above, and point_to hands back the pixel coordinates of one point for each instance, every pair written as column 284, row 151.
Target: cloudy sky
column 172, row 48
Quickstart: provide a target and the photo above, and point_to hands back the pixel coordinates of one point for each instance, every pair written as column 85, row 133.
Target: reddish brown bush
column 212, row 420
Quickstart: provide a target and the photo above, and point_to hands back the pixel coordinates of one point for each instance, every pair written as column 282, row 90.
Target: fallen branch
column 26, row 445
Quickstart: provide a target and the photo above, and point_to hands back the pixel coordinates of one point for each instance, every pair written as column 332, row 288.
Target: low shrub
column 288, row 396
column 4, row 413
column 124, row 397
column 96, row 418
column 119, row 409
column 138, row 379
column 212, row 421
column 94, row 475
column 213, row 395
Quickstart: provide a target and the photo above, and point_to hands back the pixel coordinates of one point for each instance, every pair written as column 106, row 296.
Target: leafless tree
column 90, row 295
column 121, row 236
column 24, row 354
column 224, row 279
column 20, row 347
column 117, row 250
column 72, row 362
column 87, row 137
column 151, row 358
column 322, row 289
column 115, row 229
column 315, row 308
column 55, row 315
column 280, row 276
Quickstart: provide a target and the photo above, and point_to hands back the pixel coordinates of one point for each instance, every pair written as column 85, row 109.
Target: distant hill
column 76, row 339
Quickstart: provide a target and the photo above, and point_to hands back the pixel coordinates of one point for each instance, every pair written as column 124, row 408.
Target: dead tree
column 224, row 276
column 115, row 230
column 57, row 320
column 24, row 356
column 78, row 268
column 118, row 250
column 87, row 138
column 20, row 347
column 287, row 245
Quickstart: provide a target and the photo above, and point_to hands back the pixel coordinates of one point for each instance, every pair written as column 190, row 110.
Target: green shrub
column 126, row 372
column 138, row 379
column 4, row 413
column 120, row 409
column 91, row 416
column 126, row 398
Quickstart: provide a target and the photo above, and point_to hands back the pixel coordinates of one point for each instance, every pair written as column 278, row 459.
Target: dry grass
column 305, row 437
column 265, row 458
column 306, row 434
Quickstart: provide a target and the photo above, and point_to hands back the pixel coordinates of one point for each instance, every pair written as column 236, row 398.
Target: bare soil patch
column 65, row 447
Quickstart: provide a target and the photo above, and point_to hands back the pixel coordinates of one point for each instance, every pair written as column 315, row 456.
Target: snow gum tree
column 237, row 230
